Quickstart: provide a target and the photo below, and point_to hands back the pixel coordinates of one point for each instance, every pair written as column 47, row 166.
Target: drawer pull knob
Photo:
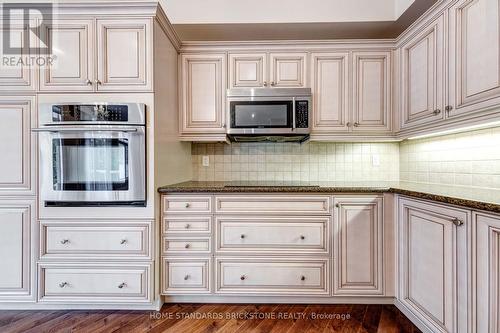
column 302, row 278
column 337, row 205
column 187, row 226
column 457, row 222
column 123, row 241
column 242, row 236
column 122, row 285
column 356, row 124
column 437, row 111
column 186, row 277
column 65, row 241
column 187, row 246
column 63, row 284
column 188, row 205
column 302, row 237
column 242, row 277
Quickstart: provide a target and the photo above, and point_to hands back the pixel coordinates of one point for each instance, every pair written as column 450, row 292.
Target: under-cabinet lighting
column 456, row 130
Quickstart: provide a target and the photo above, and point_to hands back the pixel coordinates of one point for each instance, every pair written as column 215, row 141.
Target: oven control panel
column 90, row 112
column 302, row 114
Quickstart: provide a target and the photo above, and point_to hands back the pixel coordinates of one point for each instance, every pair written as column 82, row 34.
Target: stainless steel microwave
column 269, row 114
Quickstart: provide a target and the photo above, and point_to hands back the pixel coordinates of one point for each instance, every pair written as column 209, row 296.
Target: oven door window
column 90, row 164
column 261, row 114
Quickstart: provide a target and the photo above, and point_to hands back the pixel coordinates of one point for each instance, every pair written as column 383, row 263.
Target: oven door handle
column 84, row 129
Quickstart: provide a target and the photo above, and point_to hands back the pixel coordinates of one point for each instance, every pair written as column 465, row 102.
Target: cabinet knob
column 302, row 237
column 98, row 82
column 437, row 111
column 63, row 284
column 265, row 83
column 187, row 246
column 243, row 277
column 123, row 241
column 356, row 124
column 302, row 278
column 457, row 222
column 122, row 285
column 348, row 124
column 188, row 205
column 242, row 236
column 65, row 241
column 88, row 82
column 224, row 125
column 337, row 205
column 273, row 83
column 187, row 226
column 448, row 108
column 186, row 277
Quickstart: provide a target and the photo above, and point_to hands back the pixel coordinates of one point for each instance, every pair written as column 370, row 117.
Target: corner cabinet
column 433, row 253
column 89, row 56
column 203, row 91
column 358, row 246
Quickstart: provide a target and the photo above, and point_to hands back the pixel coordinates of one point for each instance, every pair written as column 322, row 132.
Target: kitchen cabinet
column 17, row 145
column 90, row 56
column 330, row 88
column 268, row 69
column 203, row 91
column 17, row 227
column 474, row 57
column 358, row 246
column 423, row 80
column 433, row 264
column 486, row 260
column 371, row 95
column 72, row 44
column 17, row 75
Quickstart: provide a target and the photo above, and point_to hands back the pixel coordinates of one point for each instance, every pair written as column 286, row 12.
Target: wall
column 294, row 162
column 468, row 159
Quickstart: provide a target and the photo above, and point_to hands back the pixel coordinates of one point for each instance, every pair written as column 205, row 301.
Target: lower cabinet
column 17, row 229
column 486, row 270
column 433, row 264
column 358, row 246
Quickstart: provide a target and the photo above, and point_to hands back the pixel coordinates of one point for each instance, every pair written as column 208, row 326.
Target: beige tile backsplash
column 468, row 159
column 312, row 161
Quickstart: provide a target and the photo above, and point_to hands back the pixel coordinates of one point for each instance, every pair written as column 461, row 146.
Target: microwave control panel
column 302, row 114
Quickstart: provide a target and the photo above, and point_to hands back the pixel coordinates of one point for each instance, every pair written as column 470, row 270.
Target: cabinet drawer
column 187, row 204
column 186, row 245
column 187, row 225
column 105, row 282
column 95, row 239
column 185, row 275
column 272, row 234
column 272, row 204
column 272, row 276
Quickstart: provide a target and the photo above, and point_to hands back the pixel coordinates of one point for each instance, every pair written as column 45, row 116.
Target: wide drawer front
column 72, row 240
column 272, row 234
column 107, row 282
column 186, row 225
column 180, row 204
column 272, row 276
column 186, row 245
column 271, row 204
column 185, row 276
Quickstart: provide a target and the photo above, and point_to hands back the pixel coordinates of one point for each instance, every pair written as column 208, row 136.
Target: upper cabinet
column 254, row 70
column 98, row 55
column 371, row 91
column 16, row 75
column 423, row 76
column 474, row 56
column 203, row 91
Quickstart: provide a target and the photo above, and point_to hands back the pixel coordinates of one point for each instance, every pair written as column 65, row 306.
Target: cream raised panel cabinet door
column 124, row 57
column 203, row 91
column 72, row 43
column 371, row 91
column 433, row 264
column 17, row 145
column 248, row 70
column 288, row 69
column 358, row 246
column 330, row 88
column 16, row 232
column 486, row 265
column 16, row 75
column 474, row 56
column 423, row 76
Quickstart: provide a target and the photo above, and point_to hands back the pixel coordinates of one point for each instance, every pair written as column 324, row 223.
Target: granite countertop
column 470, row 197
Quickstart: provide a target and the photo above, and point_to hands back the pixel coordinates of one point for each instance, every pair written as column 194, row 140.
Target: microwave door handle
column 87, row 129
column 293, row 113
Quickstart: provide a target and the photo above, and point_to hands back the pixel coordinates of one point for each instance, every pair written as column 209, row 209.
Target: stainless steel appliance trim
column 85, row 129
column 269, row 92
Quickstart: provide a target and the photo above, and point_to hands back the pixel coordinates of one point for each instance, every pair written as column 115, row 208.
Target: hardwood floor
column 198, row 318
